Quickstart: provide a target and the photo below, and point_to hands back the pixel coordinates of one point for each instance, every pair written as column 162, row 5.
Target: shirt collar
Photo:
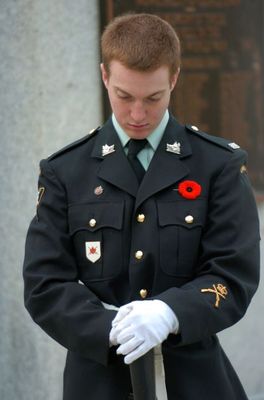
column 153, row 139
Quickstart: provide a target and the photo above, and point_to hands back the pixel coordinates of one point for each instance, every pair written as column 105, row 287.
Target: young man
column 146, row 233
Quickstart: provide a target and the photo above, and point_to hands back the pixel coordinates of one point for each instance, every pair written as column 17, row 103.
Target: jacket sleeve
column 227, row 271
column 68, row 311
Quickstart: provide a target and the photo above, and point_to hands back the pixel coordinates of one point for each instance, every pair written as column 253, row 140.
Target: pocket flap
column 186, row 213
column 94, row 216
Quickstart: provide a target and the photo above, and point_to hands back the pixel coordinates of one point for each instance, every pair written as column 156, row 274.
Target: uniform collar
column 153, row 139
column 116, row 170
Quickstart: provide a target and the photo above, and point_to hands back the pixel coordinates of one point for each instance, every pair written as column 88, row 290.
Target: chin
column 138, row 134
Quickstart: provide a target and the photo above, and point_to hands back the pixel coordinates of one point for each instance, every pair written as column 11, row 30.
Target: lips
column 140, row 126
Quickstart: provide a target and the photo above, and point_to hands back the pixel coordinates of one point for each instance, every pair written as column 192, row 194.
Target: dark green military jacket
column 188, row 236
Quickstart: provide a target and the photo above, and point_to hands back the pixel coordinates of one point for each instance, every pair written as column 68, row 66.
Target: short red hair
column 142, row 42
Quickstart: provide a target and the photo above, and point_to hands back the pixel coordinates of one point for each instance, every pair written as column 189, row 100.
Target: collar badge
column 174, row 148
column 107, row 149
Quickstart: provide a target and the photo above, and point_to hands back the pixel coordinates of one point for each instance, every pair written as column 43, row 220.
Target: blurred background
column 51, row 95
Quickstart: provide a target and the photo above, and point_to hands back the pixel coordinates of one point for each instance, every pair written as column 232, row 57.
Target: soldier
column 146, row 234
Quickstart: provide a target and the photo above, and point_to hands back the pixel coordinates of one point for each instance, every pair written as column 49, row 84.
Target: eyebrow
column 128, row 94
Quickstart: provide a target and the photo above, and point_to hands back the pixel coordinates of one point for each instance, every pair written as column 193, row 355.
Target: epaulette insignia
column 243, row 169
column 93, row 131
column 219, row 141
column 234, row 146
column 194, row 128
column 74, row 144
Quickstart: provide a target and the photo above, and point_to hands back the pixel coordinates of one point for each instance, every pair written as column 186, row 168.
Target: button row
column 141, row 218
column 138, row 254
column 143, row 292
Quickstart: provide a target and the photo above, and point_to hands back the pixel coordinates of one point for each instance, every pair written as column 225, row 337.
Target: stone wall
column 49, row 96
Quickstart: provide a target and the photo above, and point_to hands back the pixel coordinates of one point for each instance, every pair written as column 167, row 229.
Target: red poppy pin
column 189, row 189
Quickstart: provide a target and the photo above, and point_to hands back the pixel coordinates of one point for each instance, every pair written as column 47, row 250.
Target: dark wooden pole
column 142, row 372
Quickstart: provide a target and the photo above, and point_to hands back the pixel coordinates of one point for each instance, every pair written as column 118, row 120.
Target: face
column 138, row 99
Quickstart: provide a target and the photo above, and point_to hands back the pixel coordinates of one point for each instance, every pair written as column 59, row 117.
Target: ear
column 174, row 79
column 104, row 75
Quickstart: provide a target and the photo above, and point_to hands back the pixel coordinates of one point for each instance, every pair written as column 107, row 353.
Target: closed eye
column 153, row 99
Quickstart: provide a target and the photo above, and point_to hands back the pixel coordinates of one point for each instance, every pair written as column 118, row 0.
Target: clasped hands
column 141, row 325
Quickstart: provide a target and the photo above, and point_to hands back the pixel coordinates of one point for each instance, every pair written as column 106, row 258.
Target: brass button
column 143, row 293
column 92, row 222
column 189, row 219
column 140, row 218
column 98, row 190
column 139, row 254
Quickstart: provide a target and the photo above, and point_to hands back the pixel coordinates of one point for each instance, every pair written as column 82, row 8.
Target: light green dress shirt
column 146, row 154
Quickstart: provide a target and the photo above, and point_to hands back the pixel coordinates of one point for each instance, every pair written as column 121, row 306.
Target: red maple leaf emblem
column 92, row 250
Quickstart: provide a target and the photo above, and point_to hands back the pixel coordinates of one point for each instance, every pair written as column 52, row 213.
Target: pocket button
column 92, row 222
column 141, row 218
column 139, row 254
column 189, row 219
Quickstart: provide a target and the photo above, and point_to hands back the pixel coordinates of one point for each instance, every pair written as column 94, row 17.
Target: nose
column 138, row 112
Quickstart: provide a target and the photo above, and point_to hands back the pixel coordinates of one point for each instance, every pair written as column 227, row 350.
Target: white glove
column 113, row 308
column 141, row 325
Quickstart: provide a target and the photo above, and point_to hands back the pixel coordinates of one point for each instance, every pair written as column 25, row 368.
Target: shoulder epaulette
column 75, row 144
column 222, row 142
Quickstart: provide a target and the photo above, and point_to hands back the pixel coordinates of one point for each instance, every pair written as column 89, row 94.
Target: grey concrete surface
column 50, row 96
column 244, row 342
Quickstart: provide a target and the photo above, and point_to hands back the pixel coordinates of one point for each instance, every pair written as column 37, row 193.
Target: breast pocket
column 180, row 227
column 96, row 231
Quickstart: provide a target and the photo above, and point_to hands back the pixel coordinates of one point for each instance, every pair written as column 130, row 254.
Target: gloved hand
column 113, row 308
column 141, row 325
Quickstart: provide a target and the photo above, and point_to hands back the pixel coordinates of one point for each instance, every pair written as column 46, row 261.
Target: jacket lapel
column 114, row 167
column 166, row 167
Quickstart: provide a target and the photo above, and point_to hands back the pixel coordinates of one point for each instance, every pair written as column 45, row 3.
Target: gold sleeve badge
column 40, row 195
column 220, row 292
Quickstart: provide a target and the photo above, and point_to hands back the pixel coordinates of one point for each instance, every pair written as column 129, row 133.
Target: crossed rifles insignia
column 220, row 291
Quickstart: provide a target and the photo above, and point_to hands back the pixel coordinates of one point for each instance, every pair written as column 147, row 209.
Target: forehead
column 131, row 80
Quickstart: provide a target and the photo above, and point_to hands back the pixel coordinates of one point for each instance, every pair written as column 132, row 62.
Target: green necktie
column 134, row 147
